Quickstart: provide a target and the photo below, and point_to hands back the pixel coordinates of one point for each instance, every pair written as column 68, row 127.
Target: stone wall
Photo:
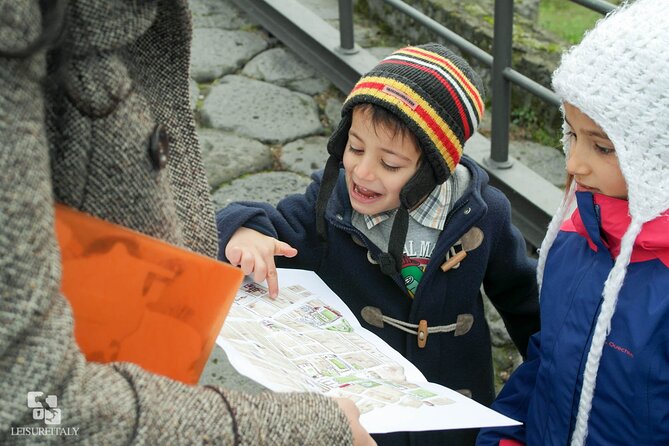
column 527, row 8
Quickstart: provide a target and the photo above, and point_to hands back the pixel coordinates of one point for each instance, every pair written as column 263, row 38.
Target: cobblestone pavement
column 263, row 118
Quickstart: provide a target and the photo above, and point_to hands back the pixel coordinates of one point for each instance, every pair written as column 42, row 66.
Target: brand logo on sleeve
column 615, row 346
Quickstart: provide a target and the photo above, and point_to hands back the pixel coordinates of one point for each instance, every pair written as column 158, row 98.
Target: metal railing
column 335, row 54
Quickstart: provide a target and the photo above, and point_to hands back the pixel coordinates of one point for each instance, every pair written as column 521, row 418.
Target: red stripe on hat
column 463, row 79
column 454, row 95
column 453, row 152
column 446, row 142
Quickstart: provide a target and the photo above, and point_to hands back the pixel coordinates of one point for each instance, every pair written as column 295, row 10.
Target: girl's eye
column 571, row 134
column 354, row 150
column 389, row 167
column 604, row 150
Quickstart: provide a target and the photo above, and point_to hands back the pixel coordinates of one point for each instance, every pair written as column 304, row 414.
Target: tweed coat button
column 159, row 147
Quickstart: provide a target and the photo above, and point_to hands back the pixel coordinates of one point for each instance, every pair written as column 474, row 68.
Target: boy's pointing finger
column 272, row 282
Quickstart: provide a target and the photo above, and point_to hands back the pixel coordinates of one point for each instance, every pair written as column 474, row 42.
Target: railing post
column 501, row 87
column 347, row 42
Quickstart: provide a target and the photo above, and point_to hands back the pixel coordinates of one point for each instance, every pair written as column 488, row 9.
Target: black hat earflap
column 336, row 147
column 391, row 262
column 339, row 137
column 419, row 185
column 330, row 175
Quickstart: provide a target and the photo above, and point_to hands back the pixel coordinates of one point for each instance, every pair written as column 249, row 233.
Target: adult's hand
column 360, row 436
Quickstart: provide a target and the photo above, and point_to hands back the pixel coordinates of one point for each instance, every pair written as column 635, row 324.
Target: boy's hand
column 360, row 435
column 254, row 253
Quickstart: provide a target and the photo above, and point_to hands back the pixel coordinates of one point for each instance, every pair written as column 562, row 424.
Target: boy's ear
column 337, row 141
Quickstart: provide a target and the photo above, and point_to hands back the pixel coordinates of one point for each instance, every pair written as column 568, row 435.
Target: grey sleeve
column 102, row 403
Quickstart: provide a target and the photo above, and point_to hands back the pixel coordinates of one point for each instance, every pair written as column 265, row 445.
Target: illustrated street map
column 308, row 340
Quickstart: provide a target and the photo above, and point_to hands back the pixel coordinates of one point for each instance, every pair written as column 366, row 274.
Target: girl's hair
column 567, row 184
column 53, row 25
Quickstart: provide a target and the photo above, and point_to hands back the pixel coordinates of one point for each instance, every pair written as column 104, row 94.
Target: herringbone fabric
column 75, row 126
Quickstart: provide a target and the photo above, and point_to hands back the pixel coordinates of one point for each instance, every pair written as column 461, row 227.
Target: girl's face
column 592, row 159
column 378, row 163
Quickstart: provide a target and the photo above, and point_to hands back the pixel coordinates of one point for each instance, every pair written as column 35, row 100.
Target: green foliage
column 524, row 116
column 250, row 27
column 361, row 7
column 550, row 138
column 527, row 124
column 475, row 9
column 565, row 19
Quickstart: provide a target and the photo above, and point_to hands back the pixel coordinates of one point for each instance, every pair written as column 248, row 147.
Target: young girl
column 598, row 372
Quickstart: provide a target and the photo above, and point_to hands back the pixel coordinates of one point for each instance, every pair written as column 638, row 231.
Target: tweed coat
column 75, row 127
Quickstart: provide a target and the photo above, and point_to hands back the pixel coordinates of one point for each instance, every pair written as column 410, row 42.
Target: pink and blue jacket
column 631, row 401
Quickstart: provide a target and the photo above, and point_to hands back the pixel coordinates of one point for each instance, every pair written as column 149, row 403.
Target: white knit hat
column 619, row 77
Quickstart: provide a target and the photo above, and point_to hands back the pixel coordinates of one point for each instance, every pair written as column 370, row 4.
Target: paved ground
column 263, row 119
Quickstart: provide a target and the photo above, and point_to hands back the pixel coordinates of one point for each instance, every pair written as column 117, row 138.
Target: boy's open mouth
column 364, row 193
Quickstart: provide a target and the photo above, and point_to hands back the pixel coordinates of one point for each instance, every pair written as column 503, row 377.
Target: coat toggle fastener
column 374, row 316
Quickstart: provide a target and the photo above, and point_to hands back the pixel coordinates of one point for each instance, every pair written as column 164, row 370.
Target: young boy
column 408, row 229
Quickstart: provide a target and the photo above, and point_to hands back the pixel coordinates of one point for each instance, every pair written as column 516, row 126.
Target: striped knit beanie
column 439, row 97
column 619, row 77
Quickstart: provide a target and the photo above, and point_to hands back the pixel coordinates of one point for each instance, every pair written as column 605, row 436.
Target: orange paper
column 138, row 299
